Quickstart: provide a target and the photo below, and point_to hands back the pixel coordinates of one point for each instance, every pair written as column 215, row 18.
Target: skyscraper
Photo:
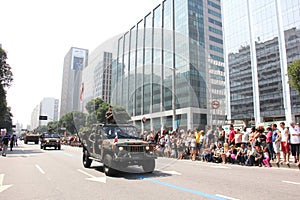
column 74, row 62
column 169, row 68
column 262, row 39
column 48, row 107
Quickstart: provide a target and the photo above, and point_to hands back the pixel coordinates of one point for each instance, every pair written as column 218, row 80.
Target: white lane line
column 81, row 171
column 40, row 169
column 93, row 178
column 225, row 197
column 296, row 183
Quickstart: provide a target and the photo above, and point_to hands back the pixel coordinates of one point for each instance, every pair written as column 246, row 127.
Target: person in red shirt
column 231, row 135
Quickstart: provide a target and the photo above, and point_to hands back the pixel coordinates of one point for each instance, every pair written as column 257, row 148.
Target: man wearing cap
column 295, row 142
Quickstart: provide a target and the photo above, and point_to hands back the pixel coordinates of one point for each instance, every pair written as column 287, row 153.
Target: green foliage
column 97, row 109
column 6, row 76
column 294, row 75
column 73, row 121
column 5, row 81
column 41, row 129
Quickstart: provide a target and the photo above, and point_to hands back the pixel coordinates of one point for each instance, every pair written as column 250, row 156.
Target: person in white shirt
column 285, row 146
column 295, row 142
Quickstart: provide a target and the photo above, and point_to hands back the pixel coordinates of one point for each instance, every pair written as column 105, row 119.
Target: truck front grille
column 135, row 148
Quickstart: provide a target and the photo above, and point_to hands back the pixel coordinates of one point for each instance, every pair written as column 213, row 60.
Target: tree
column 294, row 75
column 6, row 77
column 98, row 108
column 73, row 121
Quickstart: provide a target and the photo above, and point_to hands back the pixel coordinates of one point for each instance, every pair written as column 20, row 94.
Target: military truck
column 31, row 137
column 117, row 147
column 50, row 140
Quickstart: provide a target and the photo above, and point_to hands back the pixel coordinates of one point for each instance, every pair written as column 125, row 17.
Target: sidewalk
column 291, row 165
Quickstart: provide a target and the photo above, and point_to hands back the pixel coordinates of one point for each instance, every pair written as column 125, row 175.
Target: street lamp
column 173, row 97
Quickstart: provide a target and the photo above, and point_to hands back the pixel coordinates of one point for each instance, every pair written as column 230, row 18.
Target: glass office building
column 169, row 67
column 262, row 38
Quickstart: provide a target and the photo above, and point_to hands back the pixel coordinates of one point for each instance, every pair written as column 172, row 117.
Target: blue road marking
column 211, row 196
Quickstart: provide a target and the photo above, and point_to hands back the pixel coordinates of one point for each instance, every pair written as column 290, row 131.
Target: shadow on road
column 134, row 173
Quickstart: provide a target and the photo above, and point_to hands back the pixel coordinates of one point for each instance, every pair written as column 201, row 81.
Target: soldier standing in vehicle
column 109, row 116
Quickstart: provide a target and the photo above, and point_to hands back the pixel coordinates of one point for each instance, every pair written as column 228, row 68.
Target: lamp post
column 173, row 97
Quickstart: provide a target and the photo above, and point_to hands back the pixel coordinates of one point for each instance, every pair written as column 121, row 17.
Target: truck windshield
column 111, row 132
column 51, row 135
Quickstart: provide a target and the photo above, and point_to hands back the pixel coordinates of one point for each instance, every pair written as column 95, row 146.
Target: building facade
column 74, row 62
column 262, row 39
column 34, row 122
column 48, row 107
column 169, row 67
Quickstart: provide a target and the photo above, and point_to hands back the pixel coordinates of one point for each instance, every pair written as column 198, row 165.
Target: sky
column 37, row 34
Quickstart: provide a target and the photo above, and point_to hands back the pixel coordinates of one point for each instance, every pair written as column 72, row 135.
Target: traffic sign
column 215, row 104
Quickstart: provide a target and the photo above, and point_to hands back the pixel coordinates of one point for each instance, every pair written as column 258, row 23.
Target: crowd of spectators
column 255, row 146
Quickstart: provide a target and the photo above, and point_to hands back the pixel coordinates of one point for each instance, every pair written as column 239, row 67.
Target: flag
column 82, row 90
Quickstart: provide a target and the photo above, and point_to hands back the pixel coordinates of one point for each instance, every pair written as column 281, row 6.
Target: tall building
column 75, row 61
column 34, row 122
column 262, row 39
column 48, row 107
column 169, row 67
column 96, row 77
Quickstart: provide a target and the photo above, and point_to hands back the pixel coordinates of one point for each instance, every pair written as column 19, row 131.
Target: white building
column 49, row 108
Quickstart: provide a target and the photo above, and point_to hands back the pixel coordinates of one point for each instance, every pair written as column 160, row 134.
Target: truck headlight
column 147, row 148
column 121, row 148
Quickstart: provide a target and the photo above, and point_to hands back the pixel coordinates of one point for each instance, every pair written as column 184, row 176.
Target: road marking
column 40, row 169
column 219, row 167
column 225, row 197
column 171, row 172
column 93, row 178
column 81, row 171
column 296, row 183
column 211, row 196
column 3, row 187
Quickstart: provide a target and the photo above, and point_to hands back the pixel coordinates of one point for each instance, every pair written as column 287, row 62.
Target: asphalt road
column 31, row 173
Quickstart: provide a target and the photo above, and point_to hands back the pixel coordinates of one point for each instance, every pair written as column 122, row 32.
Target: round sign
column 144, row 119
column 215, row 104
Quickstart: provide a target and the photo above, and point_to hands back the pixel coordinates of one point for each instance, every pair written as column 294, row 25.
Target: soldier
column 109, row 116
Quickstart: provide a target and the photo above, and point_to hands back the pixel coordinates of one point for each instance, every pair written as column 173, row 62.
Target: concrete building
column 96, row 77
column 34, row 122
column 48, row 107
column 262, row 39
column 75, row 61
column 169, row 67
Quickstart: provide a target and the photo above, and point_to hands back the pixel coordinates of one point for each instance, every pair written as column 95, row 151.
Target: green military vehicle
column 31, row 137
column 117, row 147
column 50, row 140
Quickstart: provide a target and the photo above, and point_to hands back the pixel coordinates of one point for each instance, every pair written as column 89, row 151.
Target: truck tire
column 36, row 142
column 149, row 166
column 59, row 147
column 44, row 147
column 107, row 163
column 25, row 142
column 86, row 161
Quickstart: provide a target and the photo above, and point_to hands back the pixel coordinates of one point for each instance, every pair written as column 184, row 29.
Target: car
column 50, row 140
column 117, row 147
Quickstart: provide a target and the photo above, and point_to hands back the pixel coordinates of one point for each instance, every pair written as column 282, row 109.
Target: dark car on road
column 50, row 140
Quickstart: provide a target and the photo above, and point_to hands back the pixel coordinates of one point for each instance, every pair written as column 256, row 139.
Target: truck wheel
column 107, row 166
column 44, row 147
column 36, row 142
column 86, row 161
column 59, row 147
column 25, row 142
column 149, row 166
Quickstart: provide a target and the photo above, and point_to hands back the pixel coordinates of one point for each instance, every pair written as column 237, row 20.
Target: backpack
column 274, row 135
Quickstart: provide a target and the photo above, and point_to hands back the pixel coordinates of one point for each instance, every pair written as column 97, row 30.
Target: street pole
column 173, row 98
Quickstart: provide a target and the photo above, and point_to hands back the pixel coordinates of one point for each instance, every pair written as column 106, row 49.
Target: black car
column 50, row 140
